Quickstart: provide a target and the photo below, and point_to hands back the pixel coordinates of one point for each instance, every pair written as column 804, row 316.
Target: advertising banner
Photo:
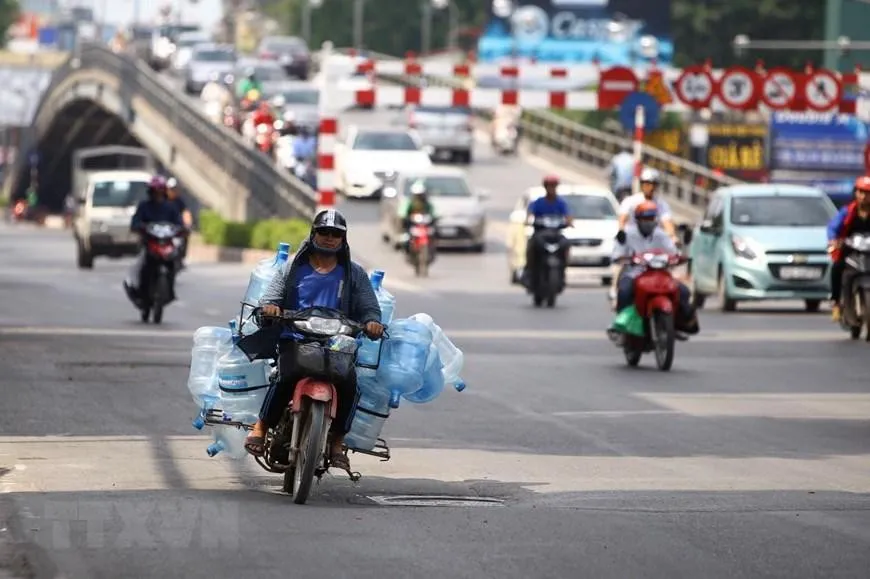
column 827, row 142
column 616, row 32
column 738, row 149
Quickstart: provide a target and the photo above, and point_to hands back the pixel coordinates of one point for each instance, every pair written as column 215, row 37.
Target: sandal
column 339, row 460
column 256, row 445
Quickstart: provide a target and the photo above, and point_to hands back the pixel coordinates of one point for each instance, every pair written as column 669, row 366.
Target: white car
column 592, row 236
column 369, row 157
column 184, row 46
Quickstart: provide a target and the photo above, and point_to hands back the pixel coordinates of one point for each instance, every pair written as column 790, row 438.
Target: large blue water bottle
column 433, row 379
column 243, row 384
column 259, row 281
column 452, row 358
column 404, row 359
column 228, row 440
column 372, row 411
column 369, row 352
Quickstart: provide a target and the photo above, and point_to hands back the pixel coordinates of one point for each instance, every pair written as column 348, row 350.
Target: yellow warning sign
column 656, row 86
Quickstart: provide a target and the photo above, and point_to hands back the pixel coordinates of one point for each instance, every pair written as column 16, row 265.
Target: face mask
column 646, row 227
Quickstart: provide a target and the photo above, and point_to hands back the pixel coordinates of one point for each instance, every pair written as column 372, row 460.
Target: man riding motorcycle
column 851, row 219
column 550, row 204
column 645, row 235
column 321, row 275
column 154, row 210
column 217, row 97
column 249, row 83
column 263, row 115
column 304, row 144
column 416, row 203
column 622, row 174
column 173, row 197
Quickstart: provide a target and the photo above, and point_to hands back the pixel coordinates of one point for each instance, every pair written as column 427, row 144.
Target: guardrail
column 686, row 182
column 274, row 192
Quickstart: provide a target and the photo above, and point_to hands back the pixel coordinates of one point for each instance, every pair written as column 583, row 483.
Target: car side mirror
column 483, row 194
column 707, row 226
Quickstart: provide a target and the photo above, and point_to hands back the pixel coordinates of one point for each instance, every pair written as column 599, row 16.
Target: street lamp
column 307, row 7
column 426, row 26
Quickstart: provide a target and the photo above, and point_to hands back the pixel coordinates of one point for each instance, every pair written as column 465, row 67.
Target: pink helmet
column 158, row 182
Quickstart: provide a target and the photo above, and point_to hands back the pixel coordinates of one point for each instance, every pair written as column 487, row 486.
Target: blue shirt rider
column 304, row 145
column 621, row 173
column 550, row 204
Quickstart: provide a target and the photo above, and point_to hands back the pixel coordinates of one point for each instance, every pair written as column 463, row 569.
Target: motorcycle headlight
column 742, row 247
column 323, row 326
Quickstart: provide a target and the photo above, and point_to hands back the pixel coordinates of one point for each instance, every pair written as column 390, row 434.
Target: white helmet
column 650, row 175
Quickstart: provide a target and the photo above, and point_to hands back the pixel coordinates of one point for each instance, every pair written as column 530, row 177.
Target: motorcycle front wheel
column 310, row 451
column 664, row 339
column 422, row 265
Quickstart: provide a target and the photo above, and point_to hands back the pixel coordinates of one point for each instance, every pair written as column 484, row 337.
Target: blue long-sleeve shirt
column 153, row 212
column 304, row 147
column 836, row 224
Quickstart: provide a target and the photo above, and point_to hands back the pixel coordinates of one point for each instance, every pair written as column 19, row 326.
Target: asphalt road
column 750, row 459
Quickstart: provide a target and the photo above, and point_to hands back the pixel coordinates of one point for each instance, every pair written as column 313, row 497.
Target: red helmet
column 646, row 210
column 862, row 183
column 550, row 180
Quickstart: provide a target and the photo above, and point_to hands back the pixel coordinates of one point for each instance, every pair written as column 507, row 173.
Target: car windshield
column 301, row 97
column 172, row 31
column 214, row 56
column 285, row 45
column 590, row 207
column 372, row 141
column 780, row 211
column 119, row 193
column 441, row 186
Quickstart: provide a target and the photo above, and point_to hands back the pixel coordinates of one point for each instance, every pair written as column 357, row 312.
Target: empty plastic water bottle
column 263, row 273
column 372, row 411
column 433, row 380
column 386, row 300
column 452, row 358
column 209, row 344
column 228, row 440
column 404, row 359
column 243, row 384
column 368, row 354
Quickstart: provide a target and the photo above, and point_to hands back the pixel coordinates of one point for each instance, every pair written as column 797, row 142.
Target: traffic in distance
column 306, row 377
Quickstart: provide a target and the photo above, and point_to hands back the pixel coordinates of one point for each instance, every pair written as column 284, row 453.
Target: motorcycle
column 657, row 300
column 298, row 446
column 20, row 210
column 550, row 247
column 420, row 248
column 856, row 287
column 158, row 265
column 265, row 139
column 505, row 139
column 306, row 172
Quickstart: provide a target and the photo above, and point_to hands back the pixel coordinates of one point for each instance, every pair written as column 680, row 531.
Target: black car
column 290, row 52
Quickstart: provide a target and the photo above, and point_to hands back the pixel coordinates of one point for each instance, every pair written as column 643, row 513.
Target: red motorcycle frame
column 657, row 300
column 265, row 138
column 420, row 244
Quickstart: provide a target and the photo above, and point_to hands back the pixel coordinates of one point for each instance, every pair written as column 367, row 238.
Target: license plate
column 448, row 231
column 800, row 273
column 585, row 259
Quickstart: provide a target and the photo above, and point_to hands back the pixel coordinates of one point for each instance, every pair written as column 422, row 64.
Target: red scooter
column 657, row 300
column 421, row 251
column 265, row 138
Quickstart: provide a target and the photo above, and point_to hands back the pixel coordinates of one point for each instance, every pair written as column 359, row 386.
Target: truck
column 107, row 184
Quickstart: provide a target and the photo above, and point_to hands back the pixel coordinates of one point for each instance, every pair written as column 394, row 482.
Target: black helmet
column 329, row 219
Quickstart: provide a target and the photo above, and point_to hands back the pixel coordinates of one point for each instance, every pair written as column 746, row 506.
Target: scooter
column 158, row 265
column 856, row 287
column 547, row 279
column 505, row 139
column 421, row 249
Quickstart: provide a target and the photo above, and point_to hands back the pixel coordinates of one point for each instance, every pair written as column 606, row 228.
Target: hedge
column 265, row 234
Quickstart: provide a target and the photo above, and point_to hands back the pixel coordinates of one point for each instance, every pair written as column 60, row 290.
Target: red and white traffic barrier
column 477, row 70
column 639, row 126
column 328, row 135
column 398, row 96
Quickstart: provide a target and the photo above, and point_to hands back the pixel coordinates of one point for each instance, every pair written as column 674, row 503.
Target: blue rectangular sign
column 817, row 142
column 616, row 32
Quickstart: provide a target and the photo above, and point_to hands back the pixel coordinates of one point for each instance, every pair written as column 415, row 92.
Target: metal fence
column 273, row 192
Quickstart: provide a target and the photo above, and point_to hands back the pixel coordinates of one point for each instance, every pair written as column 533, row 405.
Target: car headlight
column 742, row 247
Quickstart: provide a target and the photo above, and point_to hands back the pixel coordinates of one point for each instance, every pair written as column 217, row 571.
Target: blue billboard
column 828, row 142
column 616, row 32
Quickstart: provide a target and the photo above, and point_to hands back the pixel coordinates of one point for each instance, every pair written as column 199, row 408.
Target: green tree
column 706, row 28
column 9, row 12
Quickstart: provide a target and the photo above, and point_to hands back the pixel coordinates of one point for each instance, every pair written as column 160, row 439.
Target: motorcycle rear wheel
column 865, row 310
column 310, row 451
column 423, row 261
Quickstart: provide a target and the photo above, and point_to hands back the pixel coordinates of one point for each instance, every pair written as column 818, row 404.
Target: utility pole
column 426, row 28
column 358, row 16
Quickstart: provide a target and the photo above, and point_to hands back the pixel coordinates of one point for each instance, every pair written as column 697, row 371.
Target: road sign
column 823, row 90
column 614, row 85
column 658, row 88
column 779, row 89
column 695, row 87
column 651, row 109
column 739, row 88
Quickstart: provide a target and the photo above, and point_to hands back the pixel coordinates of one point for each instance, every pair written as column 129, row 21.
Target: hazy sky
column 204, row 12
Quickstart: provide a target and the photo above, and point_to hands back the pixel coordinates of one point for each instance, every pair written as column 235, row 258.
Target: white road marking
column 806, row 406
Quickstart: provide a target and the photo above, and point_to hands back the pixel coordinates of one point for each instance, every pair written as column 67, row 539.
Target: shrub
column 265, row 234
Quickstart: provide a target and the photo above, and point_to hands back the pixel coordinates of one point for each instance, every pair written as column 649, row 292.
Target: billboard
column 616, row 32
column 828, row 142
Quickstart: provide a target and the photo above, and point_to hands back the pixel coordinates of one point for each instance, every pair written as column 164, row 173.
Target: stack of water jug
column 414, row 362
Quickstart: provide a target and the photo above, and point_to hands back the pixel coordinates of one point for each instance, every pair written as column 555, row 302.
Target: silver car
column 207, row 61
column 460, row 210
column 297, row 101
column 444, row 131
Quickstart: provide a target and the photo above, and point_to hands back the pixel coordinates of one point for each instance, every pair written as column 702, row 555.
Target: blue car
column 763, row 242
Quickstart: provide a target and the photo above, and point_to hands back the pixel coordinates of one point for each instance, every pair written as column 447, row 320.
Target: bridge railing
column 273, row 191
column 686, row 182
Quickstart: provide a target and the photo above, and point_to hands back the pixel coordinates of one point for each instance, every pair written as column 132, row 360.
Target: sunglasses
column 329, row 232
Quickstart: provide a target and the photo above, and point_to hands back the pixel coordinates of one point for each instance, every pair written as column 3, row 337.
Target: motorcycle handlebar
column 289, row 317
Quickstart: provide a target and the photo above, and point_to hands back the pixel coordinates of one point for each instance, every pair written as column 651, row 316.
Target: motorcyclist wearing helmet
column 621, row 174
column 320, row 275
column 249, row 83
column 851, row 219
column 263, row 115
column 173, row 197
column 417, row 202
column 649, row 184
column 551, row 204
column 304, row 144
column 643, row 235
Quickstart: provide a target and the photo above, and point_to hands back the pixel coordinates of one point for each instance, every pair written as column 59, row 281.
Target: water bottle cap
column 283, row 247
column 234, row 325
column 283, row 256
column 377, row 278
